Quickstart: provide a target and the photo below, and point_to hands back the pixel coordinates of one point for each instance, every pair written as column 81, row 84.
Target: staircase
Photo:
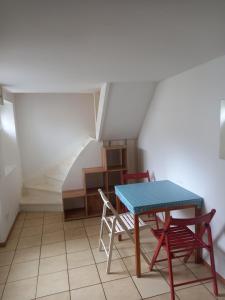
column 45, row 192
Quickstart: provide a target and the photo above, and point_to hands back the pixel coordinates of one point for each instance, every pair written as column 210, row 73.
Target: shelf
column 93, row 191
column 74, row 214
column 116, row 168
column 94, row 170
column 115, row 147
column 73, row 194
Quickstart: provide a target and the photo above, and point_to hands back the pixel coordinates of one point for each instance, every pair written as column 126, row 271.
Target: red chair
column 136, row 177
column 179, row 241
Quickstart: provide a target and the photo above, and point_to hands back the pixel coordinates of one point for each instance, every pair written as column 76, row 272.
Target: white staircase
column 45, row 192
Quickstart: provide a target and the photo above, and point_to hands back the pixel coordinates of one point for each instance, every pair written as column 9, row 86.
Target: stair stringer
column 91, row 156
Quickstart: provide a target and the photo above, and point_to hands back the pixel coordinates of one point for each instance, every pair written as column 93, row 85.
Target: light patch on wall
column 222, row 129
column 7, row 119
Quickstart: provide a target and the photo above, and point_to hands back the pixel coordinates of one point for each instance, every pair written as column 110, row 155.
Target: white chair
column 116, row 224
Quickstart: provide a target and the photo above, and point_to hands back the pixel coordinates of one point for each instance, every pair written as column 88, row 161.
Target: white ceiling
column 70, row 45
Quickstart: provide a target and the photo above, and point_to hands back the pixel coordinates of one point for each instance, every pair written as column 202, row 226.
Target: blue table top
column 141, row 197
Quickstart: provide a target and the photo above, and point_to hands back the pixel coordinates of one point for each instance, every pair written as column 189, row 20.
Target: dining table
column 152, row 197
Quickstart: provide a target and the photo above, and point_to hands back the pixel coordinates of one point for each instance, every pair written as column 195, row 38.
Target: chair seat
column 180, row 239
column 128, row 220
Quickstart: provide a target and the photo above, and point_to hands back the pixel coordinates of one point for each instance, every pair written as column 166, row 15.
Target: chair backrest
column 136, row 176
column 203, row 219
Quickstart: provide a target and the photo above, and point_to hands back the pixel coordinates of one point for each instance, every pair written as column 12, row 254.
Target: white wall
column 51, row 128
column 10, row 176
column 180, row 139
column 126, row 108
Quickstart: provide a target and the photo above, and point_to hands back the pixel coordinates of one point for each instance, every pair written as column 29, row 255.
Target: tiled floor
column 48, row 259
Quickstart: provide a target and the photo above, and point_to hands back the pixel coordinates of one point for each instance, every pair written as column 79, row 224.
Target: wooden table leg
column 137, row 246
column 118, row 208
column 198, row 252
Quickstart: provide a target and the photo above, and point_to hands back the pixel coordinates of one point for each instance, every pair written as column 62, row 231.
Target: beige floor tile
column 92, row 221
column 29, row 242
column 6, row 258
column 18, row 224
column 21, row 215
column 84, row 276
column 23, row 270
column 1, row 289
column 74, row 233
column 48, row 214
column 180, row 274
column 53, row 237
column 92, row 230
column 4, row 271
column 94, row 292
column 126, row 248
column 117, row 270
column 53, row 249
column 50, row 228
column 53, row 219
column 221, row 288
column 100, row 256
column 30, row 231
column 26, row 254
column 77, row 245
column 94, row 241
column 164, row 264
column 20, row 290
column 195, row 293
column 59, row 296
column 162, row 297
column 121, row 289
column 130, row 264
column 33, row 223
column 15, row 233
column 73, row 224
column 34, row 215
column 151, row 284
column 11, row 245
column 53, row 264
column 199, row 270
column 52, row 283
column 79, row 259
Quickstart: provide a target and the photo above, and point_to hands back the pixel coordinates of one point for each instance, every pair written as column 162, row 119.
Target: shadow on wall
column 141, row 159
column 142, row 154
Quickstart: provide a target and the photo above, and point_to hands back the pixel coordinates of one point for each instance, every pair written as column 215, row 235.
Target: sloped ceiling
column 71, row 45
column 126, row 108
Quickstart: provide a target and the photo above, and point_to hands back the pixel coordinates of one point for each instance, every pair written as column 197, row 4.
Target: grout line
column 39, row 260
column 95, row 264
column 10, row 265
column 68, row 278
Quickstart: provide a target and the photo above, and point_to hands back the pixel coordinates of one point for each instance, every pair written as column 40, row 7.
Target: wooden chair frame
column 179, row 241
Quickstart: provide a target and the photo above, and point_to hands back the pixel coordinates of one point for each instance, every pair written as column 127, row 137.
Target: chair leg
column 109, row 258
column 212, row 261
column 213, row 270
column 156, row 253
column 100, row 237
column 172, row 293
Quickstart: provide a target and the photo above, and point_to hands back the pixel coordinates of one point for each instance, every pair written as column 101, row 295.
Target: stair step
column 45, row 187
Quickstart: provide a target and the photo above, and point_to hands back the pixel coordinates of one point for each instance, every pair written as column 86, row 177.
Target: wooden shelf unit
column 87, row 201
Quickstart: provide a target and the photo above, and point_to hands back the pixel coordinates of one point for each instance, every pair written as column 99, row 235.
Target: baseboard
column 3, row 244
column 41, row 207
